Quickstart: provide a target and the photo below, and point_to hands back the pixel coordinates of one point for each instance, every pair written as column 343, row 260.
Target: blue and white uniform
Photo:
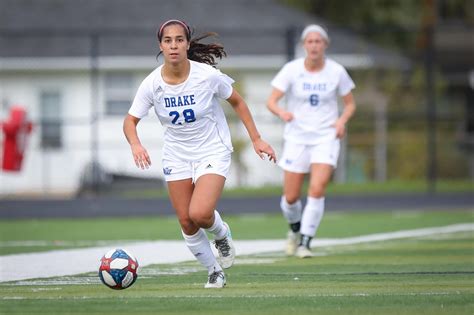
column 312, row 99
column 196, row 137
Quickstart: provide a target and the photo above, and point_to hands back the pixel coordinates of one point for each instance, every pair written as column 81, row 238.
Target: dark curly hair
column 205, row 53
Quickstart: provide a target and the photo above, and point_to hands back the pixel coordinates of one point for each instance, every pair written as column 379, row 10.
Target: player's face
column 315, row 46
column 174, row 44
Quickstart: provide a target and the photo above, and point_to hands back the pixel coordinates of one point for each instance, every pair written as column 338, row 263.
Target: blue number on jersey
column 176, row 116
column 314, row 99
column 188, row 116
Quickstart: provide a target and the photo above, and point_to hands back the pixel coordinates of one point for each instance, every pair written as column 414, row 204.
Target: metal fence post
column 94, row 142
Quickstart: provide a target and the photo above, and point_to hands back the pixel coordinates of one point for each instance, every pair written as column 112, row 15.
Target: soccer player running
column 312, row 132
column 184, row 93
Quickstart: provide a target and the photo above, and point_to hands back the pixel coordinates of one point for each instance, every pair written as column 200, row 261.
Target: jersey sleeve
column 221, row 84
column 143, row 100
column 345, row 83
column 282, row 80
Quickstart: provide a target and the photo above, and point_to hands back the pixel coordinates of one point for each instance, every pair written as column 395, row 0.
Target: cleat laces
column 223, row 247
column 213, row 277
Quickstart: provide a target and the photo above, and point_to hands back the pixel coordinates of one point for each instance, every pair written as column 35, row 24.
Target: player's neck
column 314, row 65
column 176, row 73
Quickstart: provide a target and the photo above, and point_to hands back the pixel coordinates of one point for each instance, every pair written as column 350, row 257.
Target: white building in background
column 77, row 102
column 60, row 149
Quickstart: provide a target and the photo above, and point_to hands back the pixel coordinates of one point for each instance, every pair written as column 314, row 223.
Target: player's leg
column 180, row 192
column 208, row 189
column 323, row 161
column 206, row 194
column 295, row 161
column 291, row 208
column 314, row 208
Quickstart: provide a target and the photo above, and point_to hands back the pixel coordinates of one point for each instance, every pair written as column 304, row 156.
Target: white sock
column 199, row 245
column 218, row 228
column 312, row 215
column 291, row 212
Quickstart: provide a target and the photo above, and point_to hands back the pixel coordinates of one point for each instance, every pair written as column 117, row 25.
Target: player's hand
column 141, row 157
column 262, row 148
column 286, row 116
column 340, row 129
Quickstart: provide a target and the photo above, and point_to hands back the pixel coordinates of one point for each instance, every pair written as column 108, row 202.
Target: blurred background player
column 185, row 93
column 313, row 128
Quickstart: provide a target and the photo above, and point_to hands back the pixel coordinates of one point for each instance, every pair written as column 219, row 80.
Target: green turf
column 69, row 233
column 429, row 275
column 373, row 188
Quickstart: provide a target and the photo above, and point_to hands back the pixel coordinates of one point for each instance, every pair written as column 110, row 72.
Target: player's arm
column 347, row 113
column 140, row 155
column 272, row 105
column 242, row 110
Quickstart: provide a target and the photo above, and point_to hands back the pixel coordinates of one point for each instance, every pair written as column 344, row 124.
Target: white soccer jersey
column 312, row 98
column 194, row 121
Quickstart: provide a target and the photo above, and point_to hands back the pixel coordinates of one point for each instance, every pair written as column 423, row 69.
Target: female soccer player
column 312, row 132
column 184, row 93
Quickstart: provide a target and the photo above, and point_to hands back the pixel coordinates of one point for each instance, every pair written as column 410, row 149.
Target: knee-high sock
column 199, row 245
column 218, row 228
column 312, row 215
column 291, row 212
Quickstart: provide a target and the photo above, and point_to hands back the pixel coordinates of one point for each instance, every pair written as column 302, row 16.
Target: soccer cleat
column 292, row 243
column 216, row 280
column 226, row 250
column 304, row 252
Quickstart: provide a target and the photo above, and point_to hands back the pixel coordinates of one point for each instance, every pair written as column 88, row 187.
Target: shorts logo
column 208, row 166
column 287, row 161
column 166, row 170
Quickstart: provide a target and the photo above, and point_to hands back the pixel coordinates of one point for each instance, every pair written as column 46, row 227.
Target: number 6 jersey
column 194, row 121
column 312, row 98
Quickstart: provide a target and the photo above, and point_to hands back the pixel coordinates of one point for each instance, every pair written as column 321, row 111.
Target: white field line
column 76, row 261
column 253, row 296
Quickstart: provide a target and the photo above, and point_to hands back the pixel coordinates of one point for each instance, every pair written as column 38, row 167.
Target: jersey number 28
column 188, row 115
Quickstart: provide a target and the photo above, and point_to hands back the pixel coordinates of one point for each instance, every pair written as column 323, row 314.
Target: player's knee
column 292, row 198
column 316, row 190
column 201, row 219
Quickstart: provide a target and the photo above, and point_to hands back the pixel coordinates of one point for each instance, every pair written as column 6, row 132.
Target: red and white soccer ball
column 118, row 269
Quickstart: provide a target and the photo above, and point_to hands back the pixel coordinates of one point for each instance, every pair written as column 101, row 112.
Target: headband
column 186, row 27
column 314, row 28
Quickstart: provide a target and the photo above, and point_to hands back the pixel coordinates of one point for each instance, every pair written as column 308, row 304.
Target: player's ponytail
column 205, row 53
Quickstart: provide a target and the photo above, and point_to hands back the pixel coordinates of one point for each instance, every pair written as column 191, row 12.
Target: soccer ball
column 118, row 269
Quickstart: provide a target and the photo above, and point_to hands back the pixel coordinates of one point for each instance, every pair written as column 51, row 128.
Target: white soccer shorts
column 297, row 158
column 178, row 170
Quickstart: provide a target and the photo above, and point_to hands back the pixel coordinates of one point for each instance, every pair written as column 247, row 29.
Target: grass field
column 388, row 187
column 418, row 275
